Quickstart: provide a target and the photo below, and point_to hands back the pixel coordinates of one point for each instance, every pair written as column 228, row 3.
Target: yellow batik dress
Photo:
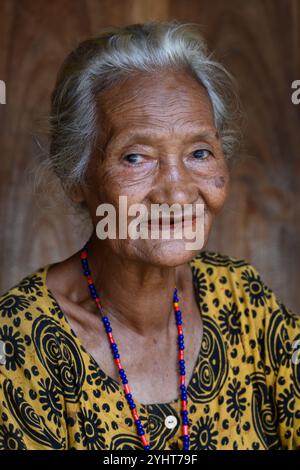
column 244, row 392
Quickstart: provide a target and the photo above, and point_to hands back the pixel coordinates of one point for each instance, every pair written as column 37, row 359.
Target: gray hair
column 113, row 54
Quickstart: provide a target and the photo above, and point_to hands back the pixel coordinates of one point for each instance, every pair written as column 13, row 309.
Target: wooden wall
column 258, row 40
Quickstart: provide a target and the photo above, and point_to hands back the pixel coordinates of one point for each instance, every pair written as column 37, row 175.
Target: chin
column 168, row 253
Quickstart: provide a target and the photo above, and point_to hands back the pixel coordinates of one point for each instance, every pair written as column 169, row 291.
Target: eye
column 133, row 158
column 202, row 154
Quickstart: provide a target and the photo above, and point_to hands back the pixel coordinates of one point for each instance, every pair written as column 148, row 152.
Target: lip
column 155, row 223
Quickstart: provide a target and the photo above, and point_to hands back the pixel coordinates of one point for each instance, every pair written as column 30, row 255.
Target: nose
column 174, row 184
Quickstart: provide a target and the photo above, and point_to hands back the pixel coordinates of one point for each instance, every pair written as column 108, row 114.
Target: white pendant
column 170, row 421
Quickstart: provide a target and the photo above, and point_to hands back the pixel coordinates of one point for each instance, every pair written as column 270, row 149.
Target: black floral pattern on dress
column 203, row 434
column 91, row 430
column 49, row 397
column 257, row 290
column 14, row 347
column 236, row 402
column 11, row 438
column 200, row 283
column 286, row 406
column 13, row 304
column 230, row 323
column 31, row 285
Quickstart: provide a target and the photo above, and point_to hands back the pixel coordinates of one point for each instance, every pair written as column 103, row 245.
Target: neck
column 135, row 296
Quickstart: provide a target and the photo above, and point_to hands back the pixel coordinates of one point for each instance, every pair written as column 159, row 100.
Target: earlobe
column 77, row 194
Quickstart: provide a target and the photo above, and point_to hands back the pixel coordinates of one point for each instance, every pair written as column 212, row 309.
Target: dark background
column 258, row 41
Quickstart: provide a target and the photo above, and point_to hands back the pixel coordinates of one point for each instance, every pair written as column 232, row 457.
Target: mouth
column 173, row 222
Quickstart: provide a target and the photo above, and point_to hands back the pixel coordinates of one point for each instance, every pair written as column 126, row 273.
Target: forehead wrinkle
column 166, row 122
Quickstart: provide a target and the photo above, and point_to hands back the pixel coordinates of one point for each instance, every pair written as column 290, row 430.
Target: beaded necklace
column 116, row 355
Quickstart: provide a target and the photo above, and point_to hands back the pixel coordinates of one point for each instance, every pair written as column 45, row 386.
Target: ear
column 77, row 194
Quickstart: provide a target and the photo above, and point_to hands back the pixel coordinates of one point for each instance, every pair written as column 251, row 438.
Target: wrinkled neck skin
column 136, row 295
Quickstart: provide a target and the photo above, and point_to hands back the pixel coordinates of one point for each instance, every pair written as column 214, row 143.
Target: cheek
column 219, row 181
column 217, row 191
column 116, row 182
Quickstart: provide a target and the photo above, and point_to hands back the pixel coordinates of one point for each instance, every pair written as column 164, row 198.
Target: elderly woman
column 135, row 342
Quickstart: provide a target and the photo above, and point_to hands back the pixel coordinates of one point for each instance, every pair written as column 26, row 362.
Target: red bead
column 181, row 354
column 144, row 440
column 126, row 388
column 182, row 378
column 110, row 337
column 180, row 329
column 118, row 363
column 185, row 429
column 184, row 405
column 83, row 254
column 135, row 414
column 90, row 280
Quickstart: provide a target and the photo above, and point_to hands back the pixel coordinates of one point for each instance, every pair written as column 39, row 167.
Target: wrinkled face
column 158, row 144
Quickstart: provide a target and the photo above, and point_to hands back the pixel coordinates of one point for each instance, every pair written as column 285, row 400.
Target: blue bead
column 132, row 406
column 108, row 329
column 116, row 356
column 128, row 395
column 147, row 447
column 138, row 421
column 141, row 432
column 182, row 387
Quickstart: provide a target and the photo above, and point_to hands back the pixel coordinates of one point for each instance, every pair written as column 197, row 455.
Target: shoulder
column 28, row 314
column 246, row 311
column 28, row 297
column 239, row 280
column 236, row 295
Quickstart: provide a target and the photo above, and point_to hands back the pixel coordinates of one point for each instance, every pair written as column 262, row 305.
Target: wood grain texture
column 259, row 43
